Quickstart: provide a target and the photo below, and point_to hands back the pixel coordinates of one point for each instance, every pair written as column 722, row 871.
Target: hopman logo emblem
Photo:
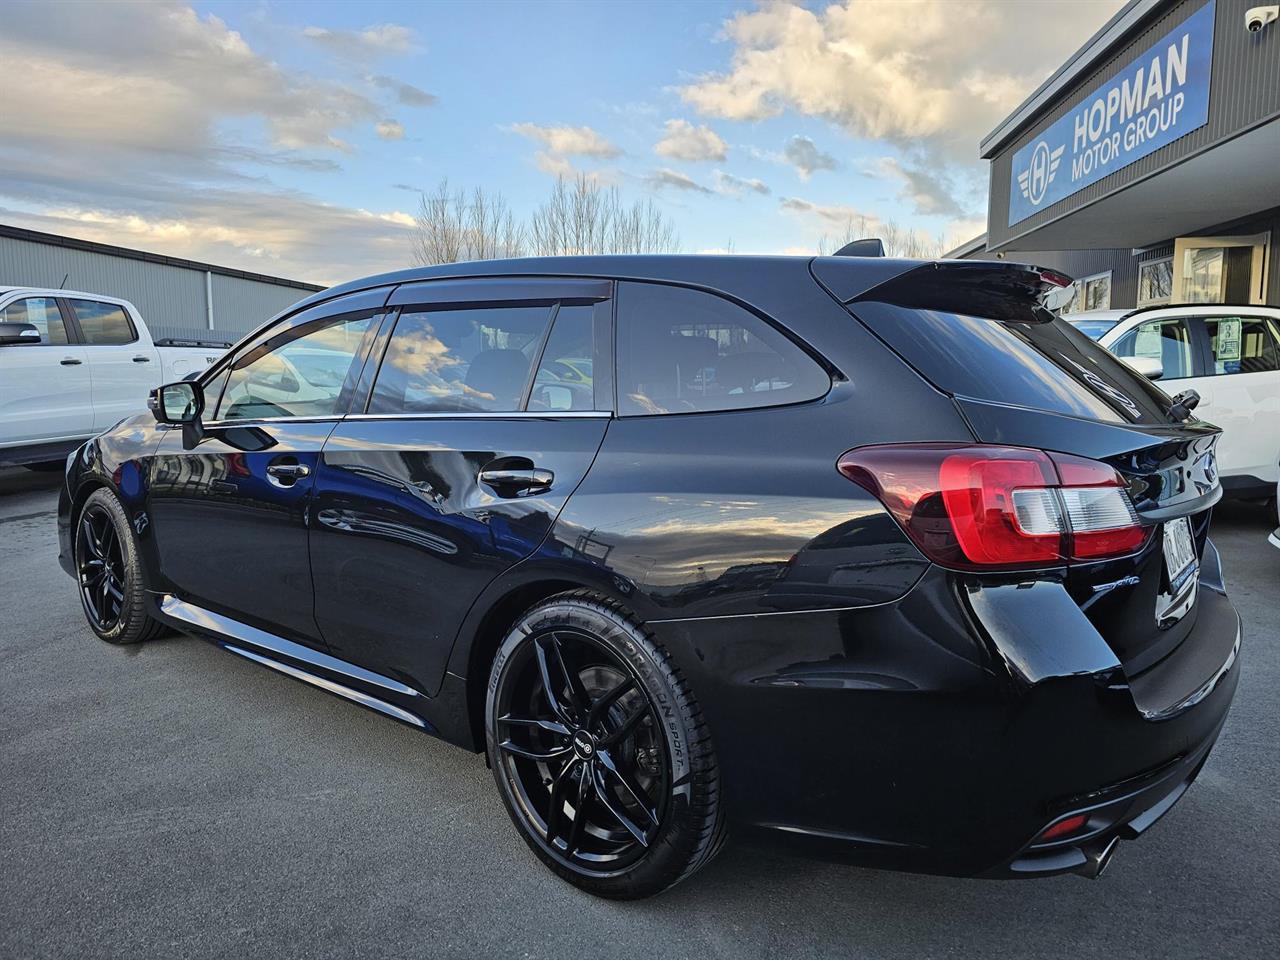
column 1034, row 181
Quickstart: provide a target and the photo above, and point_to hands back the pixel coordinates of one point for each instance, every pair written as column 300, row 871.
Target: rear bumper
column 943, row 732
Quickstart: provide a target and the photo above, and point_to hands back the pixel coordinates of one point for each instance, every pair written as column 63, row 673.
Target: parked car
column 921, row 576
column 73, row 364
column 1230, row 355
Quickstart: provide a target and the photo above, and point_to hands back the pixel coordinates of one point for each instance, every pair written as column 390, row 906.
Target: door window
column 103, row 324
column 300, row 373
column 682, row 350
column 460, row 360
column 564, row 380
column 1242, row 345
column 1168, row 341
column 42, row 313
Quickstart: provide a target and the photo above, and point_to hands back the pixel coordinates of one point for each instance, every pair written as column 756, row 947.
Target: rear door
column 480, row 423
column 1240, row 392
column 120, row 364
column 45, row 389
column 229, row 517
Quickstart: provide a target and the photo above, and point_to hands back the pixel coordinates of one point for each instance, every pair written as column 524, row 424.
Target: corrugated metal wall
column 1244, row 89
column 170, row 298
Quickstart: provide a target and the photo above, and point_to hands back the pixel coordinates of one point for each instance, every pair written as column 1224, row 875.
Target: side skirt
column 298, row 661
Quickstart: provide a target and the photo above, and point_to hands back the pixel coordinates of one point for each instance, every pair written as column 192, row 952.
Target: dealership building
column 1147, row 166
column 177, row 298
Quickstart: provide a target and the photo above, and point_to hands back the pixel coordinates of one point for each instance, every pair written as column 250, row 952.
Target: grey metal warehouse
column 1148, row 165
column 177, row 298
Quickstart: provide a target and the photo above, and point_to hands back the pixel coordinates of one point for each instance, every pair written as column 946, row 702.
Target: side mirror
column 12, row 334
column 177, row 403
column 1149, row 367
column 181, row 404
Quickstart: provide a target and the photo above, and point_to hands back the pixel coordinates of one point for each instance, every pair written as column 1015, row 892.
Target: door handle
column 518, row 480
column 289, row 471
column 141, row 359
column 70, row 362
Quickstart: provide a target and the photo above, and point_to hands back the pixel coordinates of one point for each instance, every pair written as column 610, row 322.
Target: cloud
column 829, row 214
column 684, row 141
column 120, row 128
column 677, row 180
column 727, row 183
column 390, row 129
column 929, row 190
column 565, row 141
column 405, row 93
column 371, row 43
column 934, row 75
column 803, row 154
column 158, row 80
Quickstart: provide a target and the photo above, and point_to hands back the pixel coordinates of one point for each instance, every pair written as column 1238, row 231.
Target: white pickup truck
column 73, row 364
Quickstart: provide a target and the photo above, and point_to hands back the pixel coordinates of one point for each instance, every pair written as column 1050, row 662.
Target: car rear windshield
column 1044, row 363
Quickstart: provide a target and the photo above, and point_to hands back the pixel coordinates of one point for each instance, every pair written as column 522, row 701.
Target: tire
column 624, row 748
column 112, row 586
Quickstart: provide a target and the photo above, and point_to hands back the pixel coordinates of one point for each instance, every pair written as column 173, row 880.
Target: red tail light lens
column 981, row 506
column 1063, row 828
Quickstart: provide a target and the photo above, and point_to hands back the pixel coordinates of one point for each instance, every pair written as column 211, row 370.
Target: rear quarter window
column 689, row 351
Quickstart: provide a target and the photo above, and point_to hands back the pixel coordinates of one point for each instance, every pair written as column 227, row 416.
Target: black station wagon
column 877, row 557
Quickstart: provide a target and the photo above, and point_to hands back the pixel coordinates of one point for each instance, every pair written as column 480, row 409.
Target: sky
column 293, row 139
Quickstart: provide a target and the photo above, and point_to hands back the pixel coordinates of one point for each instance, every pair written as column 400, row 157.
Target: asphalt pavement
column 169, row 800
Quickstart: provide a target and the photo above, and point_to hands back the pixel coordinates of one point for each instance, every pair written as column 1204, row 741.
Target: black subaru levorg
column 878, row 557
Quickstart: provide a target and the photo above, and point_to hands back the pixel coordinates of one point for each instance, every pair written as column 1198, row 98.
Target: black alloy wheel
column 583, row 759
column 112, row 588
column 100, row 560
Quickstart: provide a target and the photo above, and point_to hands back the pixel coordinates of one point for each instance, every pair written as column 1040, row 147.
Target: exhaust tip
column 1097, row 858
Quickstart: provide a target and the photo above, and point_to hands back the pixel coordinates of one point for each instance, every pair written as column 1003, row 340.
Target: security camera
column 1256, row 18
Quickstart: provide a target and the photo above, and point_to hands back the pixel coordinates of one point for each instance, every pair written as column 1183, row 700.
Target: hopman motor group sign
column 1159, row 97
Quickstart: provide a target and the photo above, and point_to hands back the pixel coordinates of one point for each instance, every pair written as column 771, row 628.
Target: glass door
column 1220, row 269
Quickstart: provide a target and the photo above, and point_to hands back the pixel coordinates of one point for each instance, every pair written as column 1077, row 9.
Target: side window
column 564, row 379
column 42, row 313
column 103, row 324
column 459, row 360
column 682, row 350
column 300, row 373
column 1242, row 345
column 1168, row 341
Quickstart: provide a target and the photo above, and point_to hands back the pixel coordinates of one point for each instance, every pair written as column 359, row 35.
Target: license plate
column 1179, row 555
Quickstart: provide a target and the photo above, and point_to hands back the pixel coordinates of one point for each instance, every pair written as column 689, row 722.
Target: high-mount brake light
column 984, row 507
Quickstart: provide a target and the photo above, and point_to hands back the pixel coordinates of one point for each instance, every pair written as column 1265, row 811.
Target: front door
column 484, row 418
column 45, row 389
column 1220, row 269
column 229, row 517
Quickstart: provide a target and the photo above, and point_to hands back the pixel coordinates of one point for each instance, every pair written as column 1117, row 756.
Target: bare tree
column 453, row 227
column 584, row 217
column 898, row 241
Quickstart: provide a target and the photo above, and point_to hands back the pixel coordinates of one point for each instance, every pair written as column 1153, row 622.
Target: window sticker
column 1228, row 346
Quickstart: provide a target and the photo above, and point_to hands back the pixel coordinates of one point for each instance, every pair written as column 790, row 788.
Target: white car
column 1230, row 355
column 74, row 364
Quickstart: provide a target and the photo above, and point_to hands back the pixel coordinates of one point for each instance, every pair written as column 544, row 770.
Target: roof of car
column 51, row 292
column 706, row 269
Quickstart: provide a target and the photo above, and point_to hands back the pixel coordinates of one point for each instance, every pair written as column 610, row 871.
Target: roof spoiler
column 869, row 247
column 1002, row 291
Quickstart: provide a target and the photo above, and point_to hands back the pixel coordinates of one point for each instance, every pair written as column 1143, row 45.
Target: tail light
column 983, row 507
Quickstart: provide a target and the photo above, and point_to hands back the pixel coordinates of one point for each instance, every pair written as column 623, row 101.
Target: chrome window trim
column 488, row 415
column 468, row 415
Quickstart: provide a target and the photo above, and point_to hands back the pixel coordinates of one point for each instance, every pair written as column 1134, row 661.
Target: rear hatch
column 1023, row 377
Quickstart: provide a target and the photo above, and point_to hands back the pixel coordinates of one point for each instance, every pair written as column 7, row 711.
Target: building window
column 1090, row 293
column 1155, row 282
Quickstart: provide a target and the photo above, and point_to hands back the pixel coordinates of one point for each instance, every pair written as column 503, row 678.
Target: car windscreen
column 1094, row 329
column 1044, row 363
